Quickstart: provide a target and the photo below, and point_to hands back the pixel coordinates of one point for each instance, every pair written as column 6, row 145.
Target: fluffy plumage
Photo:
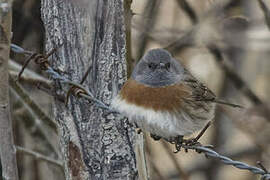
column 163, row 98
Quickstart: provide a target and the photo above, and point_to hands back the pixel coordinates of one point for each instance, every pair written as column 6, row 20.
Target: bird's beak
column 161, row 65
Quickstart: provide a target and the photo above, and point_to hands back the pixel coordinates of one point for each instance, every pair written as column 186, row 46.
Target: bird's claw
column 155, row 137
column 138, row 130
column 185, row 143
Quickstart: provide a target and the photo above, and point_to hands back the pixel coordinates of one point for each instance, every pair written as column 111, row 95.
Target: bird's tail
column 227, row 103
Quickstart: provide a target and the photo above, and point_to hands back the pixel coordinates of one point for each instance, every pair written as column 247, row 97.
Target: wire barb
column 40, row 59
column 262, row 166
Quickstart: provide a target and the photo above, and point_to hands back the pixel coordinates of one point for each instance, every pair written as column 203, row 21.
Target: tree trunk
column 7, row 148
column 95, row 144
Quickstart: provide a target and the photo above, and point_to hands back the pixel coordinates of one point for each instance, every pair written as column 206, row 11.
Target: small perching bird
column 164, row 99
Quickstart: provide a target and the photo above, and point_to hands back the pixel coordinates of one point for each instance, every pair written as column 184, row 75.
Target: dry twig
column 39, row 156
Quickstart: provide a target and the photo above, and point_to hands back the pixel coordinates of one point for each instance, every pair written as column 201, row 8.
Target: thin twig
column 32, row 105
column 150, row 14
column 140, row 157
column 266, row 12
column 158, row 174
column 183, row 174
column 34, row 126
column 39, row 156
column 30, row 80
column 203, row 131
column 8, row 160
column 238, row 82
column 188, row 40
column 188, row 10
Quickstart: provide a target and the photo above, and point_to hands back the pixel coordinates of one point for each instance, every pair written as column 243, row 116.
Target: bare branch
column 39, row 156
column 188, row 10
column 34, row 126
column 7, row 150
column 183, row 174
column 140, row 157
column 150, row 14
column 234, row 77
column 266, row 12
column 32, row 105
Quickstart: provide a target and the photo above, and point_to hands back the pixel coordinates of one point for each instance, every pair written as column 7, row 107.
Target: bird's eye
column 152, row 66
column 167, row 66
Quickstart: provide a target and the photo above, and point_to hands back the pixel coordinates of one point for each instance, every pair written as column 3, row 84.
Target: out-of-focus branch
column 266, row 12
column 128, row 17
column 39, row 156
column 140, row 157
column 188, row 39
column 254, row 121
column 158, row 174
column 30, row 80
column 234, row 77
column 183, row 174
column 183, row 4
column 32, row 105
column 150, row 14
column 34, row 126
column 7, row 149
column 185, row 41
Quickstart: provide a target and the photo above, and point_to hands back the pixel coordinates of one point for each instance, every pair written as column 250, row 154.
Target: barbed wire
column 42, row 60
column 228, row 161
column 79, row 91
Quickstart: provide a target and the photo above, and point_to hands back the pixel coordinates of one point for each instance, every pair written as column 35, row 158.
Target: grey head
column 157, row 68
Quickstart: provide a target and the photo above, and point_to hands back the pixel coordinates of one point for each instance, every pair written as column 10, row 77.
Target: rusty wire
column 78, row 90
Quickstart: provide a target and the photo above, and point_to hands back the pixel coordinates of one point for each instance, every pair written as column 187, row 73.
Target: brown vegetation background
column 239, row 31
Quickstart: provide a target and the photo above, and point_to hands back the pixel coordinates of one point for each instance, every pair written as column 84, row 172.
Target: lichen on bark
column 93, row 35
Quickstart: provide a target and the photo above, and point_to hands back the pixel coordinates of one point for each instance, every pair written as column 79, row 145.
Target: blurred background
column 225, row 44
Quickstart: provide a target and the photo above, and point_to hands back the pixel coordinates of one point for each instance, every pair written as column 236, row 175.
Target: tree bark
column 7, row 149
column 95, row 144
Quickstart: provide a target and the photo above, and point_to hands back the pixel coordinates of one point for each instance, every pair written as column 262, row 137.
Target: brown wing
column 199, row 91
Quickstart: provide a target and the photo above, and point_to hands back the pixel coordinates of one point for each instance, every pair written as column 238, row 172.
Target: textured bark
column 7, row 149
column 95, row 144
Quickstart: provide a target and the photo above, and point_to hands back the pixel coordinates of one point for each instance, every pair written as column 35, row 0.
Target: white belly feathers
column 163, row 124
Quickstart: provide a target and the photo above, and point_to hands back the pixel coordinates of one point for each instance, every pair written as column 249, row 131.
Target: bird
column 163, row 98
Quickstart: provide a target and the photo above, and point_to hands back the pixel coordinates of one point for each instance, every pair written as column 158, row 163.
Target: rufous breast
column 167, row 98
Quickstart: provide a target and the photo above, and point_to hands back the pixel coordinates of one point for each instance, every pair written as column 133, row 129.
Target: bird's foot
column 180, row 142
column 155, row 137
column 185, row 143
column 138, row 130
